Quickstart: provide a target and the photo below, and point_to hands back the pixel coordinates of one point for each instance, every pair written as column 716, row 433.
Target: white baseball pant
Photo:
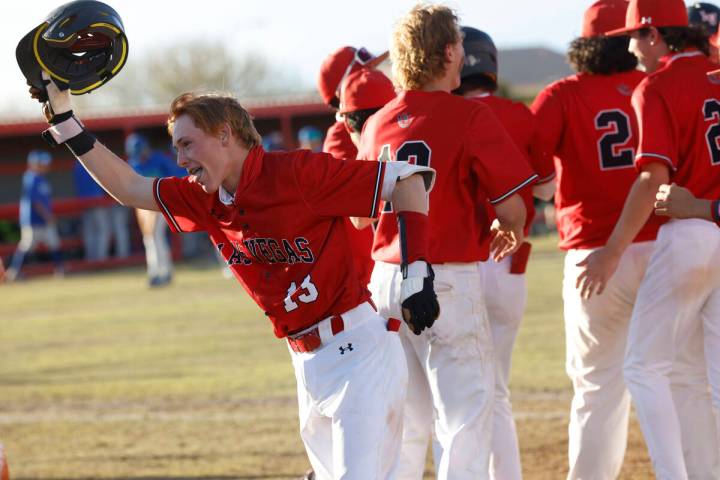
column 595, row 335
column 680, row 291
column 451, row 373
column 351, row 401
column 505, row 298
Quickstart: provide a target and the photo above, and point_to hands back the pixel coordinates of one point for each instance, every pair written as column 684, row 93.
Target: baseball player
column 707, row 15
column 276, row 218
column 334, row 69
column 676, row 110
column 505, row 287
column 451, row 365
column 37, row 221
column 588, row 129
column 154, row 231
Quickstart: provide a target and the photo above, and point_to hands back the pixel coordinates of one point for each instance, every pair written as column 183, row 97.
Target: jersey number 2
column 711, row 111
column 307, row 293
column 416, row 152
column 616, row 125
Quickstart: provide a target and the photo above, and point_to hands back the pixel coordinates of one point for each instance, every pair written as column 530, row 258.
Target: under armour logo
column 646, row 20
column 349, row 348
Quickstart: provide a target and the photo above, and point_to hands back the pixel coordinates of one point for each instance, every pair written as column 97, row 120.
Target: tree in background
column 156, row 78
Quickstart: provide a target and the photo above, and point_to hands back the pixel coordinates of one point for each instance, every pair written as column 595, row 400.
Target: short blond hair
column 418, row 45
column 210, row 111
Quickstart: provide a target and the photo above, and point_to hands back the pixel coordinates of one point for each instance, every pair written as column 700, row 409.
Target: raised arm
column 109, row 170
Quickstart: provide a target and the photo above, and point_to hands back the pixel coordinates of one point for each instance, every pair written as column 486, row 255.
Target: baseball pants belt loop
column 321, row 333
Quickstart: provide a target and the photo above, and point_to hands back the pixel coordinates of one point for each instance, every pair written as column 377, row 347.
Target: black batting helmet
column 705, row 14
column 480, row 54
column 81, row 45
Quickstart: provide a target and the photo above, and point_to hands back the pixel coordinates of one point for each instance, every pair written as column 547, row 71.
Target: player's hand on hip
column 504, row 241
column 418, row 300
column 599, row 267
column 677, row 202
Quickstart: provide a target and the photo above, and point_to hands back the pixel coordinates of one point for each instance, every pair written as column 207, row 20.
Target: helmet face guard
column 81, row 45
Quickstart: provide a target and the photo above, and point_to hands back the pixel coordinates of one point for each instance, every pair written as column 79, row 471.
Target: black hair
column 356, row 119
column 335, row 103
column 679, row 38
column 601, row 55
column 475, row 82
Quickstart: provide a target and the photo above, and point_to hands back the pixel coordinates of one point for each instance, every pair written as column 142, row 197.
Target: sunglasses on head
column 363, row 57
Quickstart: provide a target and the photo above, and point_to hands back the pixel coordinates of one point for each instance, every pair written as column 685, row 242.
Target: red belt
column 310, row 341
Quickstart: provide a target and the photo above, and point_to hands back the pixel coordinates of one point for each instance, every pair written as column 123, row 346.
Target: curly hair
column 601, row 55
column 418, row 45
column 210, row 111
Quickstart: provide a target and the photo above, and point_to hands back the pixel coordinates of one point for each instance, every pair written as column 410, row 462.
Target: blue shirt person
column 37, row 222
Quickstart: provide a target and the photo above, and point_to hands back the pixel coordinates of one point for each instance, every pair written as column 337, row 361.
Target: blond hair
column 418, row 45
column 210, row 111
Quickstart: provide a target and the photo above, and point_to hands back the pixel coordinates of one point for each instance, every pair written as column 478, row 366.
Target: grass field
column 102, row 378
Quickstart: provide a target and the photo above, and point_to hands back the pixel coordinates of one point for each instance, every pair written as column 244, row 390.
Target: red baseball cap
column 653, row 13
column 339, row 65
column 604, row 16
column 365, row 89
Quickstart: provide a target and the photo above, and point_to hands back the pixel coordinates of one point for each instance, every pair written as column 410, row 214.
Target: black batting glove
column 418, row 300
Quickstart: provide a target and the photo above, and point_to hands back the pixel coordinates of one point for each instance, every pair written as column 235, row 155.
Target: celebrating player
column 505, row 287
column 678, row 110
column 587, row 125
column 276, row 219
column 451, row 365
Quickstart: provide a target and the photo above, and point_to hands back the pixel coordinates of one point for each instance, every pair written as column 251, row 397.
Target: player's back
column 690, row 140
column 462, row 141
column 520, row 124
column 587, row 123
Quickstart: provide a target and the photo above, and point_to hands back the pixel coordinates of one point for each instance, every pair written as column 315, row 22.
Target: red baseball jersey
column 339, row 144
column 519, row 122
column 463, row 141
column 678, row 108
column 587, row 124
column 283, row 234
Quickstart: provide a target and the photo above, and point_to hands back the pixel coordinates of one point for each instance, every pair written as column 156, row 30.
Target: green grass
column 101, row 377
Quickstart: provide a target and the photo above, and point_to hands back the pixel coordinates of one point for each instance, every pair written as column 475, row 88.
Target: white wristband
column 65, row 130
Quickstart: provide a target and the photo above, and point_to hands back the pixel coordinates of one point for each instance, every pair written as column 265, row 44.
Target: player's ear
column 224, row 134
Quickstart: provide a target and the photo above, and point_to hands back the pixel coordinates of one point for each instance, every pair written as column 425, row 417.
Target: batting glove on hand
column 418, row 300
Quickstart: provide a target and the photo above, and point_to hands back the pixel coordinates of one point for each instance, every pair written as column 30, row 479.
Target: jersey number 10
column 415, row 152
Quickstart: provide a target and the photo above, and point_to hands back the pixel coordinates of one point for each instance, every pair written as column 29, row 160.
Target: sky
column 294, row 35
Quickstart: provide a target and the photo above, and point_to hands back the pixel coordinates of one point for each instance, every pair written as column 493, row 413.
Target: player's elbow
column 544, row 191
column 511, row 212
